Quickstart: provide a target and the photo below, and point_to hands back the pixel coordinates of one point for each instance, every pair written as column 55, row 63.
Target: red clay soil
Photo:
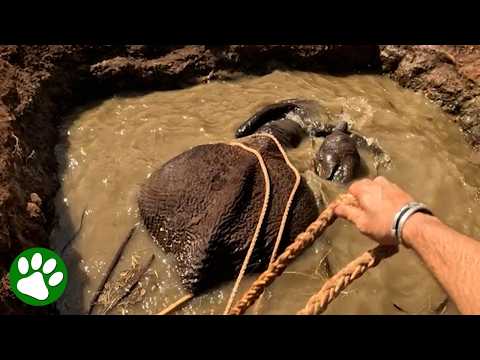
column 39, row 84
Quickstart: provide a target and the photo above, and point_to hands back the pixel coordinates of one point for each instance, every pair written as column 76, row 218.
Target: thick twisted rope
column 301, row 242
column 319, row 302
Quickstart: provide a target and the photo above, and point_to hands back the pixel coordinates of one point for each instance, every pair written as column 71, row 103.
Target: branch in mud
column 110, row 269
column 70, row 242
column 125, row 286
column 439, row 310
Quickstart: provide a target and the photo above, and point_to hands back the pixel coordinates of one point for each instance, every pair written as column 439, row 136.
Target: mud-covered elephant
column 204, row 204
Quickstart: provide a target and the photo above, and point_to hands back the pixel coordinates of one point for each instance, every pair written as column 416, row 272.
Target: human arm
column 453, row 258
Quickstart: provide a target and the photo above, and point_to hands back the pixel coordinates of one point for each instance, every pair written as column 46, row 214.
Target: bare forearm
column 452, row 257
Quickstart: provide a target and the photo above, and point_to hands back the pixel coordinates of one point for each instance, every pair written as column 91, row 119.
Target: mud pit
column 39, row 84
column 107, row 150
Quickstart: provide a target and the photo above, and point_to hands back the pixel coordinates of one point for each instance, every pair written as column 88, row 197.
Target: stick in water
column 70, row 242
column 128, row 289
column 110, row 269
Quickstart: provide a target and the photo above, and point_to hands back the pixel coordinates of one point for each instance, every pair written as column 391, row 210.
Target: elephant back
column 203, row 206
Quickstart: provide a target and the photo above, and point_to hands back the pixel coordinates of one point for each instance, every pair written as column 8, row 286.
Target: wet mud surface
column 40, row 84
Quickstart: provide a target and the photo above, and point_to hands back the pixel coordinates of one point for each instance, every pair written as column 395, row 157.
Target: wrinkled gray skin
column 203, row 205
column 268, row 118
column 337, row 159
column 288, row 132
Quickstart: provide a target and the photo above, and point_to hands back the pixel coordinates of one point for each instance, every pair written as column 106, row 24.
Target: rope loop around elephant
column 260, row 222
column 261, row 218
column 264, row 210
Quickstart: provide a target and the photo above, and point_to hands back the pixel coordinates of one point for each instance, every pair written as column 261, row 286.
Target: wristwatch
column 402, row 216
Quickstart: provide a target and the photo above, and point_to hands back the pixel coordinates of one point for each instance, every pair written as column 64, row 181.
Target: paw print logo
column 38, row 276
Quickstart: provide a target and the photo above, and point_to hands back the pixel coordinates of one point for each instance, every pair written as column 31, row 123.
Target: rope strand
column 263, row 212
column 176, row 304
column 286, row 212
column 302, row 241
column 319, row 302
column 243, row 269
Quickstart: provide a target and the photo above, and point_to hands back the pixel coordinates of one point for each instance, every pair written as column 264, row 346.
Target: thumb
column 351, row 213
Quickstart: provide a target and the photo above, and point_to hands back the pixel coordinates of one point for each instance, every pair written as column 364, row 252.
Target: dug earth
column 39, row 84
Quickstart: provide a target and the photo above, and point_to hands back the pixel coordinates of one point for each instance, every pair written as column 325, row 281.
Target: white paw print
column 34, row 285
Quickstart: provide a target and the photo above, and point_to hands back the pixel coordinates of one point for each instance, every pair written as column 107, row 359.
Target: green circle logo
column 38, row 276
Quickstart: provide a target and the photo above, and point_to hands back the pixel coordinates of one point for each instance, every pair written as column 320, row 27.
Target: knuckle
column 358, row 185
column 362, row 225
column 338, row 210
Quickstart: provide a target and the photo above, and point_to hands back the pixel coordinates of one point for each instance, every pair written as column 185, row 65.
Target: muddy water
column 108, row 149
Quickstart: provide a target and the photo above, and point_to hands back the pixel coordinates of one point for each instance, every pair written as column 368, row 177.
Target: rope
column 301, row 242
column 241, row 274
column 264, row 209
column 257, row 229
column 319, row 302
column 287, row 206
column 290, row 198
column 243, row 269
column 175, row 305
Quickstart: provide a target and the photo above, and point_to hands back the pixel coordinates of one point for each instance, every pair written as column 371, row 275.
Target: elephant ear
column 288, row 132
column 267, row 114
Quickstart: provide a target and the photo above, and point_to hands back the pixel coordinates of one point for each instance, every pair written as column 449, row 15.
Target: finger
column 359, row 187
column 388, row 187
column 381, row 180
column 351, row 213
column 385, row 183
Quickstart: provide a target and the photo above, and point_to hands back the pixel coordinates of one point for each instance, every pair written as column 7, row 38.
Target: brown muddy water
column 108, row 149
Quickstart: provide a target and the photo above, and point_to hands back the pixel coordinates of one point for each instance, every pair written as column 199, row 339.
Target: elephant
column 204, row 204
column 337, row 158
